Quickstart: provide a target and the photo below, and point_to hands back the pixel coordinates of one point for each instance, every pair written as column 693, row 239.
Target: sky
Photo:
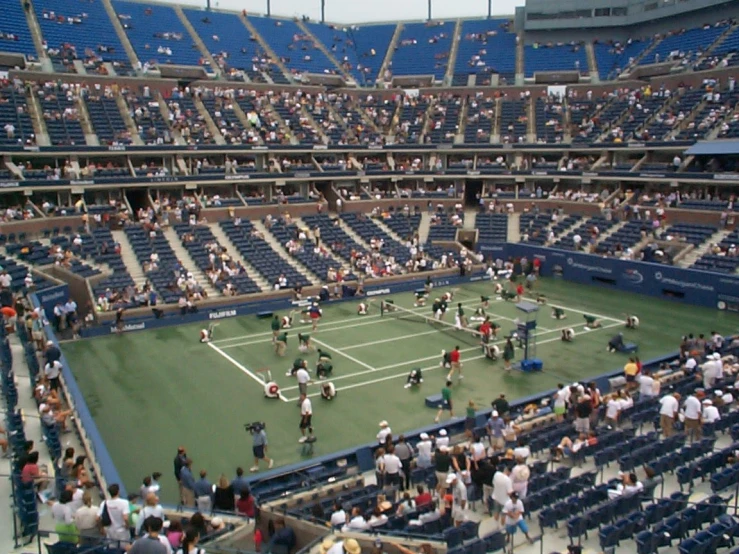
column 358, row 11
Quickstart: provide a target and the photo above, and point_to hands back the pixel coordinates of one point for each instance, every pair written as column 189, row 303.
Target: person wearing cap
column 710, row 412
column 348, row 546
column 459, row 498
column 495, row 427
column 442, row 439
column 692, row 414
column 384, row 432
column 710, row 372
column 425, row 449
column 727, row 396
column 513, row 511
column 719, row 364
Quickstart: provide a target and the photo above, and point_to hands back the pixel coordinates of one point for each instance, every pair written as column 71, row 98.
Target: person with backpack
column 113, row 515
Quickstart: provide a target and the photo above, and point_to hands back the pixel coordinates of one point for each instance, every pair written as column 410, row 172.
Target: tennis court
column 152, row 391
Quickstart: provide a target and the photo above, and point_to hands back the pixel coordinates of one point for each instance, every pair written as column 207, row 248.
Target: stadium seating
column 260, row 254
column 157, row 34
column 485, row 47
column 480, row 120
column 62, row 118
column 165, row 276
column 334, row 236
column 444, row 120
column 691, row 233
column 368, row 230
column 148, row 117
column 423, row 49
column 612, row 59
column 14, row 30
column 549, row 120
column 560, row 57
column 492, row 227
column 688, row 44
column 198, row 249
column 317, row 262
column 624, row 238
column 107, row 121
column 14, row 111
column 92, row 34
column 292, row 45
column 513, row 121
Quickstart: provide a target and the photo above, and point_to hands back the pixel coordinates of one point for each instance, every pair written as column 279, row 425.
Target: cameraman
column 259, row 446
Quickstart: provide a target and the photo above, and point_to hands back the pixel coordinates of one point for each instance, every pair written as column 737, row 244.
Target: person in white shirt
column 669, row 408
column 433, row 514
column 560, row 401
column 690, row 365
column 692, row 413
column 646, row 385
column 719, row 364
column 392, row 465
column 5, row 279
column 459, row 498
column 357, row 522
column 502, row 488
column 630, row 485
column 338, row 517
column 377, row 519
column 151, row 508
column 52, row 371
column 513, row 510
column 521, row 451
column 384, row 432
column 424, row 449
column 442, row 439
column 477, row 450
column 710, row 412
column 303, row 378
column 613, row 408
column 118, row 510
column 710, row 371
column 306, row 416
column 726, row 396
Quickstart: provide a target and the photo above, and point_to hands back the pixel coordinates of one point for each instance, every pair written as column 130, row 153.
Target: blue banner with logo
column 703, row 288
column 49, row 298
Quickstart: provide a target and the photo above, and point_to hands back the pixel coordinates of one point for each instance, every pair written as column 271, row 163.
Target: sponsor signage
column 222, row 314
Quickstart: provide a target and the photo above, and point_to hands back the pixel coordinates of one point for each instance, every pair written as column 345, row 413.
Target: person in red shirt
column 456, row 363
column 519, row 292
column 30, row 472
column 245, row 504
column 423, row 498
column 537, row 265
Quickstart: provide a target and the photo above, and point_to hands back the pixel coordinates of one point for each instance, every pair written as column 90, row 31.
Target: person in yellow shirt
column 631, row 369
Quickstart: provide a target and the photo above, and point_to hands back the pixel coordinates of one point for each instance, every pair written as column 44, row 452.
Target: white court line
column 601, row 316
column 436, row 356
column 347, row 356
column 383, row 341
column 389, row 377
column 332, row 326
column 242, row 368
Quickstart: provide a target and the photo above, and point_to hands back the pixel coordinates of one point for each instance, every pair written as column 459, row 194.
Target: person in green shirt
column 470, row 419
column 276, row 325
column 460, row 320
column 485, row 301
column 322, row 355
column 558, row 313
column 304, row 344
column 446, row 401
column 281, row 343
column 420, row 298
column 324, row 369
column 591, row 322
column 297, row 364
column 436, row 308
column 509, row 352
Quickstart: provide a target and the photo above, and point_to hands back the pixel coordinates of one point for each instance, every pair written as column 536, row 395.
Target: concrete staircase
column 470, row 217
column 338, row 261
column 592, row 64
column 188, row 263
column 355, row 237
column 197, row 41
column 612, row 231
column 452, row 60
column 129, row 258
column 691, row 257
column 36, row 35
column 326, row 52
column 392, row 234
column 122, row 36
column 514, row 231
column 386, row 61
column 282, row 253
column 520, row 71
column 567, row 230
column 424, row 228
column 37, row 119
column 274, row 58
column 251, row 272
column 209, row 123
column 128, row 120
column 90, row 137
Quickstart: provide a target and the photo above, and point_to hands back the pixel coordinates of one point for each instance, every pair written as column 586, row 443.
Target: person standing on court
column 203, row 493
column 455, row 359
column 303, row 379
column 509, row 352
column 306, row 417
column 259, row 449
column 446, row 400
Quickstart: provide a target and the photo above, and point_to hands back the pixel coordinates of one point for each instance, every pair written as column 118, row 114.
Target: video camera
column 254, row 427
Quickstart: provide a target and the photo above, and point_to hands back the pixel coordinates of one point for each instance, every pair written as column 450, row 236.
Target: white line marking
column 601, row 316
column 350, row 347
column 243, row 368
column 347, row 356
column 430, row 368
column 436, row 357
column 332, row 326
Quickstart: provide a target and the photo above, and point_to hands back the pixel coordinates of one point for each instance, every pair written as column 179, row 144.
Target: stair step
column 277, row 247
column 252, row 273
column 183, row 255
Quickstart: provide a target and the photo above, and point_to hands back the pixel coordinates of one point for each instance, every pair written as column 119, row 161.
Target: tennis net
column 464, row 335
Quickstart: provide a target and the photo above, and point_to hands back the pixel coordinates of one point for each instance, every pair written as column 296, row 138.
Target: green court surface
column 152, row 391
